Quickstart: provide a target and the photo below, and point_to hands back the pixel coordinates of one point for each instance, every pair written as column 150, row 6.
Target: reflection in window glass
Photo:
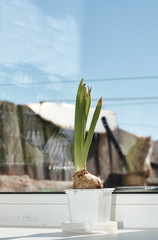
column 46, row 47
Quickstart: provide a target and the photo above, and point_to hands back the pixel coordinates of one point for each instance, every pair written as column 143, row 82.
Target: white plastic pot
column 89, row 205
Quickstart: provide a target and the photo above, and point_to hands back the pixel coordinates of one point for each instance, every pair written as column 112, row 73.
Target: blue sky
column 60, row 40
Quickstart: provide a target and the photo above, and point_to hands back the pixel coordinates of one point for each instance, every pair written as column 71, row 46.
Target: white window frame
column 138, row 210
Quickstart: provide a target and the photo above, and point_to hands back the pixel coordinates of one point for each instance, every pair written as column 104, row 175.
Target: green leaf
column 91, row 132
column 82, row 145
column 79, row 124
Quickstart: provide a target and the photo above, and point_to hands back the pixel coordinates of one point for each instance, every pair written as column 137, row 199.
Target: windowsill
column 56, row 233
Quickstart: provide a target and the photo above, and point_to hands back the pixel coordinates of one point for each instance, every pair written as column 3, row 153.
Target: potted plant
column 138, row 168
column 136, row 161
column 89, row 202
column 82, row 178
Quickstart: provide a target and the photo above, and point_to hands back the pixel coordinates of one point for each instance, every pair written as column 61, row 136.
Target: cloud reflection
column 34, row 46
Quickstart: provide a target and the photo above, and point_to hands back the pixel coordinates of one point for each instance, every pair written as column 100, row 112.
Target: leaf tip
column 100, row 101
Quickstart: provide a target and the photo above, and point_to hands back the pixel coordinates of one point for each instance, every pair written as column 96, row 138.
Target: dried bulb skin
column 84, row 180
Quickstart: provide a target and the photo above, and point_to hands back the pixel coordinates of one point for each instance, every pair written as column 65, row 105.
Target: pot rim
column 90, row 190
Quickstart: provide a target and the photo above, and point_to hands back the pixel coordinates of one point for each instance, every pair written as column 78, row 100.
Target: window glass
column 46, row 47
